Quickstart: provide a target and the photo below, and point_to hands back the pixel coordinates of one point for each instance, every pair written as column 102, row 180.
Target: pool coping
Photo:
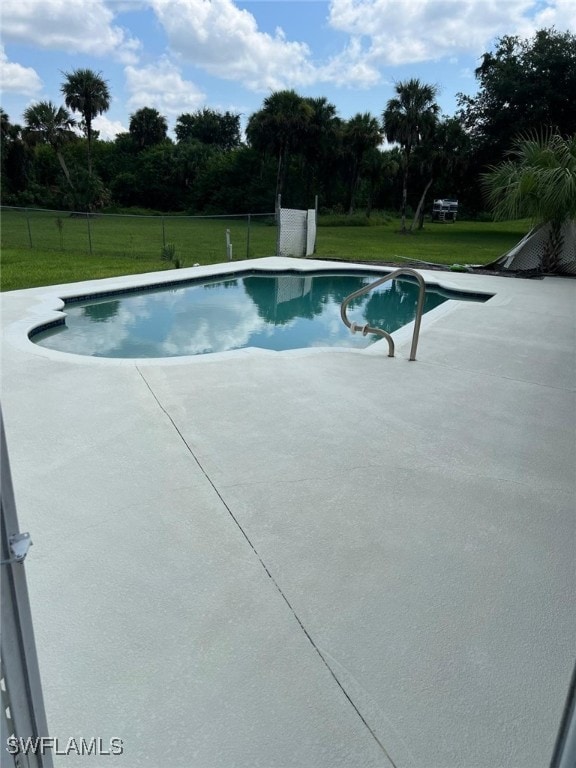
column 50, row 311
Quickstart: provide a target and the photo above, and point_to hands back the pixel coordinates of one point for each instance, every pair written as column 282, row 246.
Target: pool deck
column 307, row 559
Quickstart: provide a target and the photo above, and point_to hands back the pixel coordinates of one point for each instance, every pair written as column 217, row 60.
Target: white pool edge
column 52, row 299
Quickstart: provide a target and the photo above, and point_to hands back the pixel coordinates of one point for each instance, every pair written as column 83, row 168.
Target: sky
column 179, row 56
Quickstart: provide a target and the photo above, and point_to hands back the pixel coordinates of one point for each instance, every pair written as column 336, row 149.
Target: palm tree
column 147, row 127
column 47, row 123
column 537, row 182
column 320, row 145
column 408, row 119
column 361, row 133
column 87, row 93
column 279, row 127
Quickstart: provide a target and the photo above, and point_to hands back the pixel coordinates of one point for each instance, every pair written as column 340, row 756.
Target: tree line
column 294, row 146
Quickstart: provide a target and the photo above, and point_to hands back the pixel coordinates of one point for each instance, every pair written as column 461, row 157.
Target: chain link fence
column 191, row 239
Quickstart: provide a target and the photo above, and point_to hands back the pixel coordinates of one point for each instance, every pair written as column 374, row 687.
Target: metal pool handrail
column 366, row 329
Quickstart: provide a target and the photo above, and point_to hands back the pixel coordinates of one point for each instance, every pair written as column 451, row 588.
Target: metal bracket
column 19, row 544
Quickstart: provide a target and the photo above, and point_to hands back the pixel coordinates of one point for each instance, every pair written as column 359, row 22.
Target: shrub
column 168, row 252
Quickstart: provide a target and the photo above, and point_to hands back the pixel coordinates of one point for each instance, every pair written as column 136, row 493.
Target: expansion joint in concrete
column 268, row 572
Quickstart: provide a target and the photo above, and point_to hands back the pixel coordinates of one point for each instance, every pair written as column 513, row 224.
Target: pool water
column 273, row 311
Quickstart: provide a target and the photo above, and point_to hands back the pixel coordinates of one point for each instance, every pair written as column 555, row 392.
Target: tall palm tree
column 279, row 127
column 47, row 123
column 361, row 133
column 86, row 92
column 408, row 119
column 320, row 145
column 537, row 182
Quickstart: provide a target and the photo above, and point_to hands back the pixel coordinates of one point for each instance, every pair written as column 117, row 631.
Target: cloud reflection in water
column 272, row 312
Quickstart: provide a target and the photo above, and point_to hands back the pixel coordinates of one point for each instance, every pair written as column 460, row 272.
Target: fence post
column 278, row 210
column 316, row 221
column 228, row 245
column 163, row 234
column 248, row 239
column 89, row 232
column 29, row 230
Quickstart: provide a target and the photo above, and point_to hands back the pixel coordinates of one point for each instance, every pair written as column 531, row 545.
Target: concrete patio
column 306, row 559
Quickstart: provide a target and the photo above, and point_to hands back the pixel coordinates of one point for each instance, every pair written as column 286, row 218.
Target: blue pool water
column 276, row 311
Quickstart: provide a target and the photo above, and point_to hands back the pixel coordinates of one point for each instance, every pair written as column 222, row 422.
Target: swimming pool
column 275, row 311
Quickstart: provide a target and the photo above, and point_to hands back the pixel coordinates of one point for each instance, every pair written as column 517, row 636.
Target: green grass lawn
column 31, row 268
column 461, row 242
column 45, row 248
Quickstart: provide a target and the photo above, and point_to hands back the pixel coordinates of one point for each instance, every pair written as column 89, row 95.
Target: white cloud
column 427, row 30
column 18, row 79
column 108, row 129
column 225, row 41
column 129, row 6
column 556, row 13
column 162, row 87
column 74, row 26
column 351, row 68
